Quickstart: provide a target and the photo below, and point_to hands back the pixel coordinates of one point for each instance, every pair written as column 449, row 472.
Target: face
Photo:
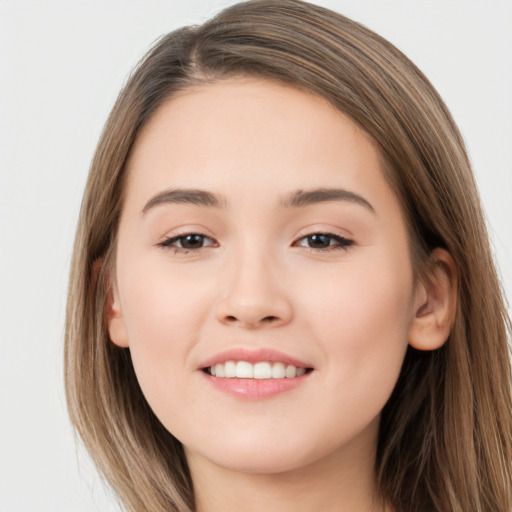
column 259, row 237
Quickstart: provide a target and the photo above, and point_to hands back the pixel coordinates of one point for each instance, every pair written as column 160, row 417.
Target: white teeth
column 220, row 370
column 262, row 370
column 244, row 370
column 230, row 369
column 278, row 371
column 291, row 371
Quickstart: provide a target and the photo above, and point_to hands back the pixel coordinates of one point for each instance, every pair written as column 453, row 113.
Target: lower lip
column 255, row 389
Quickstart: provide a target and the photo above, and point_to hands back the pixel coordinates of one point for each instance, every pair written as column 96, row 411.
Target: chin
column 250, row 455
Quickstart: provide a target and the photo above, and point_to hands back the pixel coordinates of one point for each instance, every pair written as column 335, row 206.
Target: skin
column 349, row 312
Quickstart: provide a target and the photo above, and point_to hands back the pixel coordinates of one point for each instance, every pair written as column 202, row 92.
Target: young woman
column 282, row 295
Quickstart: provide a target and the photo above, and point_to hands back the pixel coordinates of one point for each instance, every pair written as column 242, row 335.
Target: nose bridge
column 254, row 295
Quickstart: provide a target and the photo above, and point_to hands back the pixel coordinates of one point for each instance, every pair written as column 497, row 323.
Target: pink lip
column 253, row 389
column 252, row 356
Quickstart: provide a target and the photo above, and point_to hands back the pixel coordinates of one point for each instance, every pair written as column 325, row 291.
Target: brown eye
column 189, row 242
column 192, row 241
column 324, row 241
column 319, row 241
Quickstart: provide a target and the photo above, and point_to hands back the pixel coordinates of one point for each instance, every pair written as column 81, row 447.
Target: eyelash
column 168, row 243
column 340, row 243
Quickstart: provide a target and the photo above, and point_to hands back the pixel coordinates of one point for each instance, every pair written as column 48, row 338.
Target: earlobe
column 115, row 319
column 436, row 303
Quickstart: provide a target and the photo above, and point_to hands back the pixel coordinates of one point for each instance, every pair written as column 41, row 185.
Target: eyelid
column 184, row 229
column 343, row 243
column 169, row 240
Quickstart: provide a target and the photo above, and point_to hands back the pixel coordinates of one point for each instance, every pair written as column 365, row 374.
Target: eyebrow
column 321, row 195
column 297, row 199
column 185, row 196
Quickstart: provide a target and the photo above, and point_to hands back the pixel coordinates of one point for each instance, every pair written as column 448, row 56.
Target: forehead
column 245, row 135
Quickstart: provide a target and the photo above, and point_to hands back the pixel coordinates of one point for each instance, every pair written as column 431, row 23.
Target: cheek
column 363, row 320
column 162, row 316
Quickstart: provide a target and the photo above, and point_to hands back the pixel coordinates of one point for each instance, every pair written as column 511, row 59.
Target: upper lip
column 252, row 355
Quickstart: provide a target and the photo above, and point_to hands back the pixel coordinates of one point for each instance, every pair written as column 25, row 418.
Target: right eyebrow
column 185, row 195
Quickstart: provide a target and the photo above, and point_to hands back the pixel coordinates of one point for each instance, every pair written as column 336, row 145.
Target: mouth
column 261, row 370
column 255, row 374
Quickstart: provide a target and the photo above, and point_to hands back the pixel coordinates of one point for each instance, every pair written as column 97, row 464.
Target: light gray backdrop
column 62, row 64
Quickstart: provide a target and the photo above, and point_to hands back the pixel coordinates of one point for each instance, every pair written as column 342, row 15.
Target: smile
column 255, row 373
column 261, row 370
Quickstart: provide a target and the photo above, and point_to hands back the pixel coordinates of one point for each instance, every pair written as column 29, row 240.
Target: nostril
column 265, row 320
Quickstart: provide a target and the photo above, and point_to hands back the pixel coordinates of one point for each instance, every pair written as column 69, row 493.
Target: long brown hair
column 445, row 440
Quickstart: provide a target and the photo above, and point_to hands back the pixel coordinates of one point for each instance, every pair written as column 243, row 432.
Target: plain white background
column 62, row 65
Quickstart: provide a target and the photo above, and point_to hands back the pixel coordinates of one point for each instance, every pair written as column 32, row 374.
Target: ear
column 114, row 314
column 116, row 325
column 436, row 303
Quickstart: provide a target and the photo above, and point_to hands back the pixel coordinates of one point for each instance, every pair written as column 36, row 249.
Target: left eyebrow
column 302, row 198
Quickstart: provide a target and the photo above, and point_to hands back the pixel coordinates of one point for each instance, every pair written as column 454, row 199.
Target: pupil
column 192, row 241
column 319, row 241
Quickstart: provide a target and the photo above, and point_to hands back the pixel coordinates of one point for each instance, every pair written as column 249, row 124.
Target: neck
column 341, row 481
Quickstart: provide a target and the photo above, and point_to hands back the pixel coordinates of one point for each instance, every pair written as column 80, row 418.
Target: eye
column 188, row 242
column 324, row 241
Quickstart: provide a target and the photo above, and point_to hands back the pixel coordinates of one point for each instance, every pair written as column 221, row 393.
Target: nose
column 254, row 296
